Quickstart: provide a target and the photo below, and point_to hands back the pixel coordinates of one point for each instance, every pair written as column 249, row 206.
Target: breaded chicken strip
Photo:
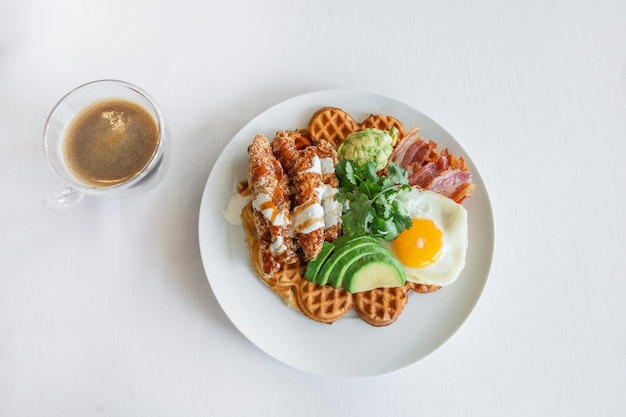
column 271, row 203
column 284, row 149
column 308, row 214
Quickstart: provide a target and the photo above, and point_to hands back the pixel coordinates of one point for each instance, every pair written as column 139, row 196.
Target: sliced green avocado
column 340, row 253
column 375, row 270
column 337, row 274
column 314, row 266
column 345, row 239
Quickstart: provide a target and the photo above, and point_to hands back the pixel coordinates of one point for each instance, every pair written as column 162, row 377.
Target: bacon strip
column 412, row 149
column 428, row 169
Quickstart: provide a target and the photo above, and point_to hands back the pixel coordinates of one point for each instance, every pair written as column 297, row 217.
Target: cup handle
column 62, row 198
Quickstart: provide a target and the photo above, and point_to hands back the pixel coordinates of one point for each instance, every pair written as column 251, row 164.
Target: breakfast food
column 381, row 307
column 270, row 200
column 432, row 250
column 429, row 169
column 323, row 303
column 346, row 216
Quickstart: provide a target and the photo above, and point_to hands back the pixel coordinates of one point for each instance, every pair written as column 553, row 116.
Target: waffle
column 334, row 124
column 382, row 122
column 422, row 288
column 381, row 306
column 323, row 303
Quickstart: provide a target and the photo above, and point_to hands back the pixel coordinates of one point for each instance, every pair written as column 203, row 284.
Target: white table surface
column 105, row 310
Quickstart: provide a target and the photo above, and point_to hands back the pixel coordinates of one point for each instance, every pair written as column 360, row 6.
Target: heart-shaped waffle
column 323, row 303
column 381, row 306
column 334, row 124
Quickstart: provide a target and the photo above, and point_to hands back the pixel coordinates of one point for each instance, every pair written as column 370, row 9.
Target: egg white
column 451, row 218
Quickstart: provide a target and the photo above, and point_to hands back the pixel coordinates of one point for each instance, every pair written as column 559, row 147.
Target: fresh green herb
column 369, row 201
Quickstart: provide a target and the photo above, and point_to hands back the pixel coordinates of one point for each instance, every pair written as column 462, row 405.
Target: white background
column 105, row 310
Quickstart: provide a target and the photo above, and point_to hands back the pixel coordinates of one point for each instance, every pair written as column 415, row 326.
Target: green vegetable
column 374, row 270
column 369, row 201
column 314, row 266
column 332, row 271
column 356, row 263
column 368, row 145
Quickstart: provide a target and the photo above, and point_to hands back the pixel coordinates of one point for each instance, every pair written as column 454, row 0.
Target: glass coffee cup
column 106, row 138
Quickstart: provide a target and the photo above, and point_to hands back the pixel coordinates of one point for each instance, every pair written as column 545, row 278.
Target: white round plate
column 349, row 348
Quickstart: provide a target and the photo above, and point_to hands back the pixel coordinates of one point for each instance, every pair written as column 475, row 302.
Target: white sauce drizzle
column 237, row 202
column 278, row 246
column 264, row 204
column 327, row 166
column 316, row 165
column 308, row 217
column 332, row 208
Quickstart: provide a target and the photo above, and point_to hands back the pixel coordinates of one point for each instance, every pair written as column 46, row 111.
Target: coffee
column 110, row 142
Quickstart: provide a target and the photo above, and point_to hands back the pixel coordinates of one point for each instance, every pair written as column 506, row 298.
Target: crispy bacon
column 412, row 149
column 428, row 169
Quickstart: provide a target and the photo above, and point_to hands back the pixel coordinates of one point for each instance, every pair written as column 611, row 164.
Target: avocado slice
column 340, row 253
column 314, row 266
column 337, row 274
column 345, row 239
column 374, row 270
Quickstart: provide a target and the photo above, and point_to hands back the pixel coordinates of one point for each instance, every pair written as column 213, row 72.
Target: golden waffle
column 422, row 288
column 382, row 306
column 382, row 122
column 283, row 282
column 323, row 303
column 334, row 124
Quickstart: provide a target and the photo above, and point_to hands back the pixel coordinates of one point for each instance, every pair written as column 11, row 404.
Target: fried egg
column 433, row 249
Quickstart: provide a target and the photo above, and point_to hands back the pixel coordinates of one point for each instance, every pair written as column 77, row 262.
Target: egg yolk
column 420, row 245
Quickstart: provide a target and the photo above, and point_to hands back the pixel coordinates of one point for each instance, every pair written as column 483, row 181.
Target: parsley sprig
column 369, row 201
